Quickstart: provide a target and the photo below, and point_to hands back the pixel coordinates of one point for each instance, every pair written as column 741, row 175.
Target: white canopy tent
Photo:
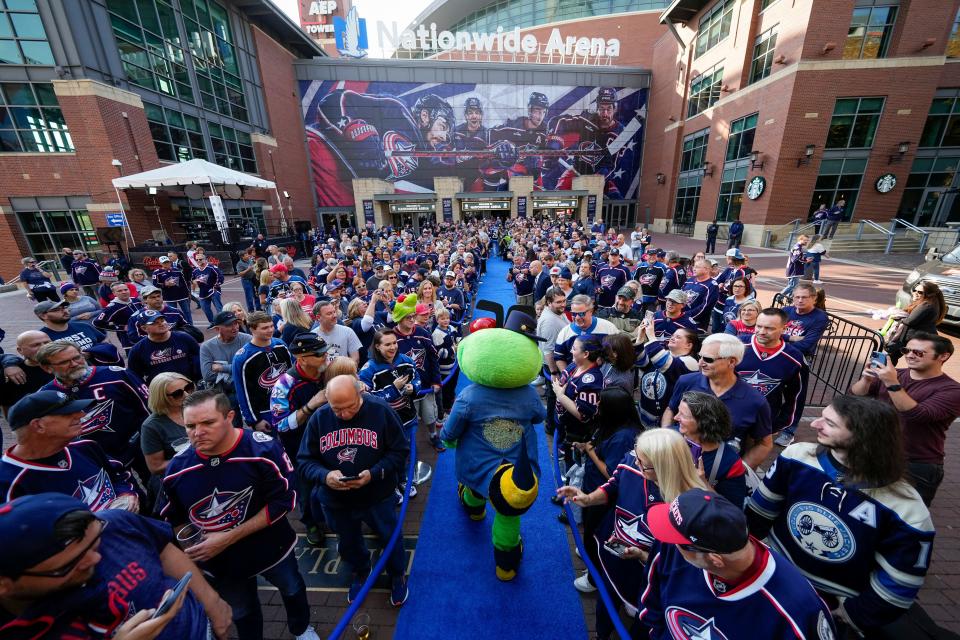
column 196, row 172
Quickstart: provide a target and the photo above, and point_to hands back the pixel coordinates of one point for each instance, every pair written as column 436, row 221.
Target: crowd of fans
column 667, row 384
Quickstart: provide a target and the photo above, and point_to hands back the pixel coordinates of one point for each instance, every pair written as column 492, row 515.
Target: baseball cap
column 713, row 263
column 735, row 253
column 627, row 292
column 44, row 403
column 149, row 316
column 449, row 274
column 278, row 268
column 421, row 309
column 565, row 273
column 67, row 286
column 588, row 253
column 555, row 270
column 47, row 305
column 661, row 253
column 164, row 259
column 222, row 319
column 614, row 252
column 148, row 290
column 336, row 283
column 677, row 296
column 308, row 343
column 27, row 527
column 387, row 267
column 700, row 518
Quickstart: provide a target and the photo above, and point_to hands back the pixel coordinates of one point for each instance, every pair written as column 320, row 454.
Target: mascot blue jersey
column 491, row 423
column 871, row 546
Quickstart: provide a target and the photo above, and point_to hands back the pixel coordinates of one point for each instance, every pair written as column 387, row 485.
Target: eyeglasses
column 708, row 359
column 70, row 566
column 179, row 393
column 579, row 314
column 77, row 358
column 917, row 352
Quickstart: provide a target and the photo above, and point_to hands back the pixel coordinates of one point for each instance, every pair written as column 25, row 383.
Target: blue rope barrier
column 429, row 390
column 382, row 562
column 578, row 540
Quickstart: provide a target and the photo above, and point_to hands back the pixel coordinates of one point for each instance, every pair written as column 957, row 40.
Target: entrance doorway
column 620, row 214
column 336, row 220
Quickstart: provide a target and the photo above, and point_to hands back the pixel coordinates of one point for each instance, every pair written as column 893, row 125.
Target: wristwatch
column 895, row 387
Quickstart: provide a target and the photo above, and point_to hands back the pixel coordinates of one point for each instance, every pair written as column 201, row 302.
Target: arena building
column 94, row 89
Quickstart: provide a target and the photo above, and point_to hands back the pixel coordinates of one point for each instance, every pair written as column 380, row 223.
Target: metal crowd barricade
column 842, row 354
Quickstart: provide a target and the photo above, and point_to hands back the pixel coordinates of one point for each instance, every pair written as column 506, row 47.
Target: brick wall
column 286, row 127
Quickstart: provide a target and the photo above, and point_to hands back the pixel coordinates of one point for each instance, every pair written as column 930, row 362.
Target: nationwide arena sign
column 352, row 40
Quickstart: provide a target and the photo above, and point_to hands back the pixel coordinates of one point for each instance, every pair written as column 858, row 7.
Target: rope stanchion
column 578, row 540
column 429, row 390
column 382, row 562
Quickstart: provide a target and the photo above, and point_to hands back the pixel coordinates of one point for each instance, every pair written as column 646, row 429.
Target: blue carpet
column 454, row 592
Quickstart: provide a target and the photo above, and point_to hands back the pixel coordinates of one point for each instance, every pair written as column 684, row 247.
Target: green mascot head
column 502, row 358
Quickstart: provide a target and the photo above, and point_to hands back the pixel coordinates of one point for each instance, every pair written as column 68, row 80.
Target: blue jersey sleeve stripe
column 894, row 594
column 766, row 513
column 897, row 575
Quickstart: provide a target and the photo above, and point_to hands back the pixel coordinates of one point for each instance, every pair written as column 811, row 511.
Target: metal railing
column 910, row 229
column 842, row 354
column 876, row 227
column 812, row 227
column 771, row 236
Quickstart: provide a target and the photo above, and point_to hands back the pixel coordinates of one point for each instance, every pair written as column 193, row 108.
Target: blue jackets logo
column 688, row 625
column 221, row 510
column 351, row 35
column 820, row 532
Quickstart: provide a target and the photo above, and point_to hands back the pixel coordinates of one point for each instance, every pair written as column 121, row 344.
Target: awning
column 190, row 172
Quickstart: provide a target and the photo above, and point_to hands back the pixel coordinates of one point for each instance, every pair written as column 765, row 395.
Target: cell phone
column 616, row 547
column 648, row 317
column 696, row 451
column 168, row 601
column 349, row 478
column 878, row 359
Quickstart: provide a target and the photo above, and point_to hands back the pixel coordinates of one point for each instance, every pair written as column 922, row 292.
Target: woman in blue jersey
column 746, row 321
column 658, row 469
column 741, row 291
column 661, row 364
column 578, row 391
column 705, row 422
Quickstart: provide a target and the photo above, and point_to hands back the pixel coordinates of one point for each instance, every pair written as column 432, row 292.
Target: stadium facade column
column 521, row 186
column 366, row 189
column 594, row 184
column 447, row 187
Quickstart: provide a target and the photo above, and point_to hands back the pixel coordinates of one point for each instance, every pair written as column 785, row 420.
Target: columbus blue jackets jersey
column 255, row 371
column 684, row 602
column 609, row 280
column 380, row 376
column 809, row 325
column 569, row 334
column 117, row 415
column 115, row 317
column 521, row 279
column 701, row 296
column 663, row 327
column 172, row 283
column 208, row 280
column 418, row 345
column 778, row 376
column 868, row 545
column 135, row 332
column 673, row 278
column 220, row 493
column 81, row 469
column 583, row 387
column 649, row 275
column 661, row 370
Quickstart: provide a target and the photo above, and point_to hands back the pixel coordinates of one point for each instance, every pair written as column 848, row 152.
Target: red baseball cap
column 702, row 519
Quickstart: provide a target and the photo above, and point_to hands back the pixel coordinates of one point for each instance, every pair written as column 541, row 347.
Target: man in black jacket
column 351, row 454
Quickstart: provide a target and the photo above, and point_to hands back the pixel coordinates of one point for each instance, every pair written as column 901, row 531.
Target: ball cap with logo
column 706, row 520
column 28, row 530
column 149, row 316
column 308, row 343
column 223, row 319
column 44, row 403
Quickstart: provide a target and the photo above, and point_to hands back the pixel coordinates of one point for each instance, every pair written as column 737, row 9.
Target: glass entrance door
column 929, row 209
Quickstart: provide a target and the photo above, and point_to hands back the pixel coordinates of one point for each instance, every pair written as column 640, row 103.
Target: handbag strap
column 715, row 468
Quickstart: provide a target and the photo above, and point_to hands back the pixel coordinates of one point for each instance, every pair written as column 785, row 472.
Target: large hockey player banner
column 410, row 133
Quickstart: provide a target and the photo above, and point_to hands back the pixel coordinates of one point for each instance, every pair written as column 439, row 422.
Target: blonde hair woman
column 295, row 320
column 340, row 366
column 658, row 469
column 163, row 434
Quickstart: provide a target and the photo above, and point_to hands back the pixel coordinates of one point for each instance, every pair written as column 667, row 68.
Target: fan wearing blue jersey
column 256, row 368
column 708, row 578
column 841, row 511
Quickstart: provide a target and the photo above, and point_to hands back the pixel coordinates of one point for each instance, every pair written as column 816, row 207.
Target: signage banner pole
column 126, row 224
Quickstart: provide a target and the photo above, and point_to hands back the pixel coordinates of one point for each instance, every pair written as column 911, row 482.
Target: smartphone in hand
column 171, row 597
column 616, row 547
column 349, row 478
column 878, row 359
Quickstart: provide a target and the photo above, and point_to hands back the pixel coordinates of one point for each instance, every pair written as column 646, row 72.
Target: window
column 177, row 136
column 47, row 232
column 705, row 90
column 953, row 44
column 839, row 179
column 734, row 181
column 31, row 119
column 742, row 132
column 232, row 149
column 694, row 150
column 854, row 123
column 870, row 31
column 23, row 40
column 763, row 48
column 215, row 58
column 924, row 197
column 714, row 26
column 151, row 50
column 942, row 128
column 766, row 3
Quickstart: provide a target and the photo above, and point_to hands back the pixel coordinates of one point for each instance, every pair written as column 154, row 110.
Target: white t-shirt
column 342, row 340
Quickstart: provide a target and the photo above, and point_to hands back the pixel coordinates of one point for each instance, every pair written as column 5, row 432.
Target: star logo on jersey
column 647, row 280
column 96, row 491
column 686, row 625
column 347, row 454
column 171, row 282
column 221, row 510
column 760, row 381
column 607, row 282
column 691, row 296
column 419, row 357
column 271, row 375
column 97, row 418
column 161, row 355
column 630, row 526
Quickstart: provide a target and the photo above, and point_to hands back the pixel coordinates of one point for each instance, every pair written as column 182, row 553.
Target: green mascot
column 491, row 426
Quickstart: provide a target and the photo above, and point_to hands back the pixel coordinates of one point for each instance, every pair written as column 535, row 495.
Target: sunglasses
column 185, row 390
column 708, row 359
column 917, row 352
column 578, row 314
column 70, row 566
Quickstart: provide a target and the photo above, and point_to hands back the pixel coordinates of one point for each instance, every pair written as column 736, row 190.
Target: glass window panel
column 871, row 105
column 28, row 25
column 917, row 180
column 846, row 105
column 191, row 123
column 37, row 52
column 54, row 118
column 854, row 165
column 215, row 129
column 9, row 142
column 946, row 163
column 951, row 136
column 827, row 182
column 148, row 15
column 942, row 105
column 9, row 52
column 158, row 132
column 154, row 112
column 124, row 8
column 933, row 132
column 6, row 31
column 164, row 151
column 831, row 167
column 21, row 5
column 922, row 164
column 124, row 29
column 27, row 117
column 6, row 122
column 45, row 94
column 863, row 131
column 174, row 118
